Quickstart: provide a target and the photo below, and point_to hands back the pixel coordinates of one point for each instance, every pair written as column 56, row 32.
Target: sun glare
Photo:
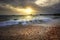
column 28, row 18
column 23, row 11
column 28, row 11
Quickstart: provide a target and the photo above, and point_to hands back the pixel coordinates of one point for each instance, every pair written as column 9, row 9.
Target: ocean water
column 27, row 20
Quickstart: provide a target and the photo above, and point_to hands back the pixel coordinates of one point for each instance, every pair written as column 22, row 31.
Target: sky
column 42, row 6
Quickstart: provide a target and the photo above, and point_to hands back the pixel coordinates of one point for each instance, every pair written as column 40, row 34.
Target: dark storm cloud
column 52, row 9
column 5, row 1
column 12, row 2
column 17, row 2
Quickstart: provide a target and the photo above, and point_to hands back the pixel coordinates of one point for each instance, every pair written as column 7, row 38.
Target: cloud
column 48, row 6
column 45, row 3
column 12, row 3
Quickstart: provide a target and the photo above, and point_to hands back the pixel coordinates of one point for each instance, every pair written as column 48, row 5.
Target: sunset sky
column 13, row 7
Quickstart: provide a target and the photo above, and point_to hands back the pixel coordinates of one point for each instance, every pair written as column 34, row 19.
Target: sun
column 28, row 11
